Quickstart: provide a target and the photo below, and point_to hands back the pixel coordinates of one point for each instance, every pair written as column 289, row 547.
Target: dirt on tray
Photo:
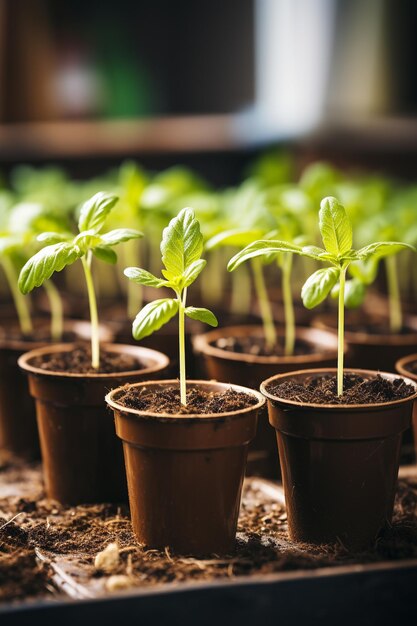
column 78, row 361
column 199, row 401
column 357, row 390
column 95, row 544
column 257, row 346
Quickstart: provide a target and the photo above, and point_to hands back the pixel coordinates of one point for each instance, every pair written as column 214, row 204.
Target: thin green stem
column 95, row 338
column 395, row 312
column 19, row 299
column 288, row 305
column 134, row 291
column 341, row 332
column 264, row 303
column 57, row 312
column 181, row 316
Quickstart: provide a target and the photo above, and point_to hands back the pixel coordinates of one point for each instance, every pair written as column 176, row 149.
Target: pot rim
column 359, row 337
column 190, row 416
column 40, row 322
column 337, row 407
column 161, row 361
column 401, row 366
column 201, row 344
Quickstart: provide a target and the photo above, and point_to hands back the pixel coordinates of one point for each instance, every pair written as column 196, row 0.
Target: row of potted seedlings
column 185, row 445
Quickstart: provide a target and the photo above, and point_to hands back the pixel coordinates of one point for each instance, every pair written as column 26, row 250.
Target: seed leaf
column 182, row 244
column 153, row 316
column 318, row 286
column 44, row 263
column 119, row 235
column 202, row 315
column 335, row 227
column 95, row 210
column 143, row 277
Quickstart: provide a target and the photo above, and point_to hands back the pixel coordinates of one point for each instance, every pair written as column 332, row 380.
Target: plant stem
column 57, row 315
column 134, row 291
column 19, row 300
column 183, row 377
column 95, row 338
column 264, row 303
column 289, row 317
column 341, row 332
column 395, row 313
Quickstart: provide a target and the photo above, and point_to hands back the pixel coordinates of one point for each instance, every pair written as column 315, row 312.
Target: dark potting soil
column 70, row 538
column 78, row 361
column 200, row 401
column 357, row 390
column 257, row 346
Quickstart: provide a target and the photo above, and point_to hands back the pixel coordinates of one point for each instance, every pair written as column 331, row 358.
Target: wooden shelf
column 72, row 139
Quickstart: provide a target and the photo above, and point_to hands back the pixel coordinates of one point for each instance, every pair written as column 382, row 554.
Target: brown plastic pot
column 372, row 350
column 403, row 367
column 185, row 472
column 18, row 430
column 250, row 371
column 82, row 458
column 339, row 463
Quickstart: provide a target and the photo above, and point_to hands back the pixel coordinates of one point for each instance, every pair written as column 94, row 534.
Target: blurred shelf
column 72, row 139
column 391, row 134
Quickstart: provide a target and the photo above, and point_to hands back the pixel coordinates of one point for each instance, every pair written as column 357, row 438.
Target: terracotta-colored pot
column 250, row 371
column 18, row 430
column 403, row 367
column 372, row 350
column 82, row 458
column 185, row 472
column 339, row 462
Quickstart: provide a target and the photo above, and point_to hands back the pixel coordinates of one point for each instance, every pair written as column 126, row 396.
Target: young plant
column 336, row 232
column 181, row 249
column 64, row 249
column 9, row 248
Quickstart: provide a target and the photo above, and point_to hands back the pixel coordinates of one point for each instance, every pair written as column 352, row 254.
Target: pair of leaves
column 181, row 249
column 159, row 312
column 64, row 249
column 336, row 232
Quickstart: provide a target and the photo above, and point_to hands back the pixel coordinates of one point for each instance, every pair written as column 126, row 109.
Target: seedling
column 336, row 232
column 9, row 248
column 63, row 249
column 181, row 249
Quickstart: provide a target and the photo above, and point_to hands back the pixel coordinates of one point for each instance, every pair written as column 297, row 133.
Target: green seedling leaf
column 142, row 277
column 193, row 271
column 318, row 286
column 335, row 227
column 382, row 249
column 182, row 244
column 105, row 254
column 120, row 235
column 365, row 271
column 94, row 211
column 87, row 241
column 235, row 238
column 153, row 316
column 51, row 237
column 263, row 247
column 45, row 262
column 202, row 315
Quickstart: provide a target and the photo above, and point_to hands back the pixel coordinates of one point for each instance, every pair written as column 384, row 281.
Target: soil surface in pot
column 357, row 390
column 199, row 401
column 257, row 346
column 78, row 361
column 71, row 538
